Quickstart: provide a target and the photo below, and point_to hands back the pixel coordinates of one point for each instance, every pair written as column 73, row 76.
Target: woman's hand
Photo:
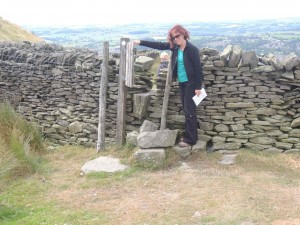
column 136, row 42
column 197, row 92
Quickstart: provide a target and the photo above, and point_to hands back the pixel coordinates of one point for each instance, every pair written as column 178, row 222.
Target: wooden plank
column 129, row 79
column 102, row 99
column 122, row 94
column 163, row 122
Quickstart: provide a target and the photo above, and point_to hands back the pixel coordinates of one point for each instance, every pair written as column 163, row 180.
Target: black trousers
column 187, row 92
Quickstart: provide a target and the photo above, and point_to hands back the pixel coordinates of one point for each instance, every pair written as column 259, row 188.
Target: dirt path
column 200, row 191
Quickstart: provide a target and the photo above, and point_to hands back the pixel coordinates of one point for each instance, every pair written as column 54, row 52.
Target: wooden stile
column 122, row 94
column 102, row 98
column 129, row 79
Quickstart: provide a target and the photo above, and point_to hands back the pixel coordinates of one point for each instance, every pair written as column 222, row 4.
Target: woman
column 187, row 69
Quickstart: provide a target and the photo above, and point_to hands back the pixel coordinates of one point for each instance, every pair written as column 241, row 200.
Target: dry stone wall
column 58, row 89
column 253, row 102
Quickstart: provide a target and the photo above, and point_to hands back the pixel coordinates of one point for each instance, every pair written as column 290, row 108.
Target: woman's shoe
column 183, row 144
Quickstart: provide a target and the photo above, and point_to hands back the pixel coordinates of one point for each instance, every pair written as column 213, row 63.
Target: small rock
column 228, row 159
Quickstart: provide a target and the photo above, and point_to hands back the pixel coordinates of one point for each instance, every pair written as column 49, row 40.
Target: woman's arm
column 153, row 44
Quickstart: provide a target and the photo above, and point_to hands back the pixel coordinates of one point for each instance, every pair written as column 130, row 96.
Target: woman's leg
column 187, row 92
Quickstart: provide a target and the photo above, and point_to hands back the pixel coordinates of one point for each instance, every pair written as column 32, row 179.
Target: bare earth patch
column 201, row 191
column 287, row 222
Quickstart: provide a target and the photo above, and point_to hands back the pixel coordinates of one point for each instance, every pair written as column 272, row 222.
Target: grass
column 21, row 144
column 260, row 188
column 12, row 32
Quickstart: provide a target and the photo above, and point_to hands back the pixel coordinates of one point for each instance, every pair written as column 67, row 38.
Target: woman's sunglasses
column 176, row 36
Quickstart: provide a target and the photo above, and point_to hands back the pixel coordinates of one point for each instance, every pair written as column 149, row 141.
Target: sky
column 93, row 12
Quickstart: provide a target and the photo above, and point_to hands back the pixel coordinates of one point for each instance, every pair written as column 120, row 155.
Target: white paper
column 198, row 99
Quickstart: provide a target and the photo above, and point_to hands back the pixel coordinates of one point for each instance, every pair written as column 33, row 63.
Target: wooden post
column 122, row 94
column 129, row 79
column 102, row 98
column 163, row 122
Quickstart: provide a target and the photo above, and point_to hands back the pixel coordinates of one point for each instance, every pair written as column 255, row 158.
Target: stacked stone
column 157, row 99
column 252, row 102
column 142, row 84
column 248, row 104
column 56, row 88
column 175, row 118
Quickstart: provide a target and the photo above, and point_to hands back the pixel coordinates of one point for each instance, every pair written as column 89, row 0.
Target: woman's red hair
column 177, row 29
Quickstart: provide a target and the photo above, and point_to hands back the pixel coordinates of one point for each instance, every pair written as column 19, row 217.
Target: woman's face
column 177, row 38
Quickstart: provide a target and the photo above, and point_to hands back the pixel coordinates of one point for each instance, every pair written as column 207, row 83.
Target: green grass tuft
column 21, row 144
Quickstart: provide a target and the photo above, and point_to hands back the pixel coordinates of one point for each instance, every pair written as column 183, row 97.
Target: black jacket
column 191, row 58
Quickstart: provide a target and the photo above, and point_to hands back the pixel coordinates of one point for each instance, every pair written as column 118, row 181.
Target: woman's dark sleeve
column 155, row 45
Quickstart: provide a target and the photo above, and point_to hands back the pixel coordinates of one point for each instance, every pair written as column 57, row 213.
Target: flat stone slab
column 228, row 159
column 103, row 164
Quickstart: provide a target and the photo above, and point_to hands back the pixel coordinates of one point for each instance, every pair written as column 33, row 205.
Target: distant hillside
column 276, row 36
column 12, row 32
